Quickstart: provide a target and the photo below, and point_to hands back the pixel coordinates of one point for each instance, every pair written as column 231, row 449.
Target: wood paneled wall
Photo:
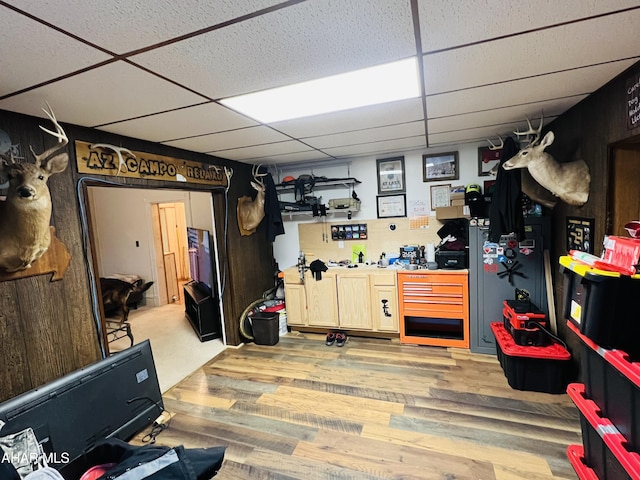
column 588, row 130
column 48, row 329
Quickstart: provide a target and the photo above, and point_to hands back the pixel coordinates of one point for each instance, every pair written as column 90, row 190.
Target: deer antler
column 496, row 147
column 59, row 134
column 532, row 131
column 118, row 150
column 256, row 176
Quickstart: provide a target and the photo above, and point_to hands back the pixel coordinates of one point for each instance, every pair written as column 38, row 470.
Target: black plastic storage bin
column 265, row 327
column 603, row 305
column 452, row 259
column 537, row 369
column 605, row 450
column 613, row 383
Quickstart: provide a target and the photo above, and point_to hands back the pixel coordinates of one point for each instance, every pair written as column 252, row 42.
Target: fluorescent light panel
column 369, row 86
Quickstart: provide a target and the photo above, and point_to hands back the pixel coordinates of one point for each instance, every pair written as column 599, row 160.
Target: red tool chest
column 520, row 323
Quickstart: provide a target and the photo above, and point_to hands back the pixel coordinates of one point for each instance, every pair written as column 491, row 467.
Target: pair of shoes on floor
column 339, row 338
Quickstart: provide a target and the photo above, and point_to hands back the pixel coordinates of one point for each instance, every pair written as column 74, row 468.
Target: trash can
column 266, row 326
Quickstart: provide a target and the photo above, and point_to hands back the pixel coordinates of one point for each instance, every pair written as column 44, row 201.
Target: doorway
column 127, row 238
column 624, row 201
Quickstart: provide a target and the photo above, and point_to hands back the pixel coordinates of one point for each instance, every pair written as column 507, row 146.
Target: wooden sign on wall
column 103, row 160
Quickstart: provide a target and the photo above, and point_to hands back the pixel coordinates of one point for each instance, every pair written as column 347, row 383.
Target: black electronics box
column 452, row 259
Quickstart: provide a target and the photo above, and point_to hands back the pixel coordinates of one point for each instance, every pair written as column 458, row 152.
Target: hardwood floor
column 373, row 409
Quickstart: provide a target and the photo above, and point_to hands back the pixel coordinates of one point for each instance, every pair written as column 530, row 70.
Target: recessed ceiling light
column 369, row 86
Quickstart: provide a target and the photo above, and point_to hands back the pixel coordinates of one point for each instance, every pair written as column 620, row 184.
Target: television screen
column 115, row 397
column 200, row 257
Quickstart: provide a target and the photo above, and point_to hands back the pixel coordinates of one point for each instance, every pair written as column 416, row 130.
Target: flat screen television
column 115, row 397
column 200, row 245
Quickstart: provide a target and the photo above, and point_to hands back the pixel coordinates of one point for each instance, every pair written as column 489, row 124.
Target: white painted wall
column 122, row 217
column 286, row 247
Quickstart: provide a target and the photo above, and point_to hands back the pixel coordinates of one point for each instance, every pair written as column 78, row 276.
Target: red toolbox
column 539, row 369
column 612, row 381
column 520, row 323
column 605, row 449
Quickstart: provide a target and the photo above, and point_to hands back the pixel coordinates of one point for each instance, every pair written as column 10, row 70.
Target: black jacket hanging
column 505, row 211
column 275, row 226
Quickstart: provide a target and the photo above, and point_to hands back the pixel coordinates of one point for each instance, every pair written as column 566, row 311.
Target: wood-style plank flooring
column 373, row 409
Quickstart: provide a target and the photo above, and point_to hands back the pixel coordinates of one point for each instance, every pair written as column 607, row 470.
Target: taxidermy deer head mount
column 251, row 212
column 568, row 181
column 26, row 212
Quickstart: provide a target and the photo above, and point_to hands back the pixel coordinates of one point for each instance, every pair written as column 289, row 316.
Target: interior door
column 624, row 200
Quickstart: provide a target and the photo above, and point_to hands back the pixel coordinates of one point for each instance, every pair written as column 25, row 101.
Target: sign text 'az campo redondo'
column 102, row 160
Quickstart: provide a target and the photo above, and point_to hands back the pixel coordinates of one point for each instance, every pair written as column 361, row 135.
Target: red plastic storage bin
column 575, row 454
column 612, row 381
column 605, row 450
column 517, row 321
column 539, row 369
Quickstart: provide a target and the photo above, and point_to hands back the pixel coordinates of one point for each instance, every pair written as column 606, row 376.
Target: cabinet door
column 322, row 305
column 384, row 305
column 354, row 302
column 296, row 304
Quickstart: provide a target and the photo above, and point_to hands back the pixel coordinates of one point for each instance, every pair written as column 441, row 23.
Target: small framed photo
column 391, row 175
column 391, row 206
column 440, row 166
column 487, row 160
column 580, row 234
column 440, row 196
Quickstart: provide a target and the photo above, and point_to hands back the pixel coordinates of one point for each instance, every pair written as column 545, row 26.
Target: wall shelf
column 289, row 187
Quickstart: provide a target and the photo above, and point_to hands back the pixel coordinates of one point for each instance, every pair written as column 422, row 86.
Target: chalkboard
column 633, row 102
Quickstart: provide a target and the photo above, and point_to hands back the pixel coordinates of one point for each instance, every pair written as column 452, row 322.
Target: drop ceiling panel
column 397, row 145
column 446, row 24
column 186, row 122
column 355, row 119
column 403, row 130
column 306, row 41
column 510, row 115
column 103, row 95
column 536, row 53
column 528, row 90
column 308, row 156
column 264, row 151
column 122, row 25
column 244, row 137
column 40, row 54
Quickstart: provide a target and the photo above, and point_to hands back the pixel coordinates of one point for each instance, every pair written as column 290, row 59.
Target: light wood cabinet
column 384, row 302
column 363, row 299
column 354, row 301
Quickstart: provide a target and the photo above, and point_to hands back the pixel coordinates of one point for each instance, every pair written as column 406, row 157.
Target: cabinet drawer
column 383, row 278
column 435, row 305
column 292, row 277
column 429, row 289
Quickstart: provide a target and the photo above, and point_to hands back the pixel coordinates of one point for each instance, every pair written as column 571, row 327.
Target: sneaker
column 331, row 337
column 341, row 338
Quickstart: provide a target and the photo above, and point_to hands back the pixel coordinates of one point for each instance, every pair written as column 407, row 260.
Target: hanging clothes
column 275, row 225
column 505, row 211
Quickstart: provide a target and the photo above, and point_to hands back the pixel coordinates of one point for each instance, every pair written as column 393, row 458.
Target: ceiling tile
column 104, row 95
column 122, row 26
column 403, row 130
column 186, row 122
column 216, row 142
column 445, row 24
column 536, row 53
column 308, row 156
column 355, row 119
column 31, row 53
column 264, row 151
column 528, row 90
column 385, row 146
column 306, row 41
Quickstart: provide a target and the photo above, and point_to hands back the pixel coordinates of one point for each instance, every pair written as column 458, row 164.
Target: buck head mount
column 26, row 212
column 569, row 181
column 251, row 212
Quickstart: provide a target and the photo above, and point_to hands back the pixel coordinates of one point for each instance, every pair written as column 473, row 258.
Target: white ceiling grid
column 157, row 70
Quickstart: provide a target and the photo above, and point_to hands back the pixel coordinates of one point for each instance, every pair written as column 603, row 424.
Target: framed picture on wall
column 391, row 206
column 487, row 160
column 440, row 196
column 391, row 175
column 440, row 166
column 580, row 234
